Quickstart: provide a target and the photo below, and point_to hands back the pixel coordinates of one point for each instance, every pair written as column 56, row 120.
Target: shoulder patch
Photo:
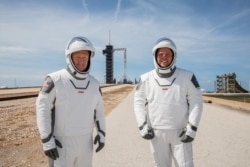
column 195, row 82
column 48, row 85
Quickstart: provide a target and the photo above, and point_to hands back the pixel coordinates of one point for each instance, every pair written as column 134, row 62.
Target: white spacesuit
column 174, row 104
column 68, row 108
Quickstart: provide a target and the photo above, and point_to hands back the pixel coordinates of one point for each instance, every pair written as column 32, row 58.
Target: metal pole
column 125, row 61
column 249, row 86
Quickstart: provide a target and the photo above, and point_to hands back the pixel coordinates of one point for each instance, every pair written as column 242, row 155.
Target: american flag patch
column 45, row 84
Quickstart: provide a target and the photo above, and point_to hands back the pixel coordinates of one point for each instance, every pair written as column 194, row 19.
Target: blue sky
column 212, row 37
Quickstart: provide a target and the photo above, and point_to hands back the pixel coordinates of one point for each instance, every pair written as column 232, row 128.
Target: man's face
column 80, row 59
column 164, row 57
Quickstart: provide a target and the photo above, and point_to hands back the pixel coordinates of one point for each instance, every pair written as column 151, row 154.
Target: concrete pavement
column 223, row 139
column 124, row 145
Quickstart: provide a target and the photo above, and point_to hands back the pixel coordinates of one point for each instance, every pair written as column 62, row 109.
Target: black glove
column 185, row 138
column 187, row 132
column 146, row 132
column 53, row 153
column 150, row 135
column 100, row 144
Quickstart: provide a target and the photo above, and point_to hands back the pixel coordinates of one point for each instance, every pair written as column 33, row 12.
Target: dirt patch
column 229, row 103
column 113, row 97
column 20, row 144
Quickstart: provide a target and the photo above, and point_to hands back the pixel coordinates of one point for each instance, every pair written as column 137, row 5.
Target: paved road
column 124, row 146
column 223, row 139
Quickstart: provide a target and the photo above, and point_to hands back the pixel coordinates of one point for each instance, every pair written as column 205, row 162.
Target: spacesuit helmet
column 165, row 43
column 74, row 45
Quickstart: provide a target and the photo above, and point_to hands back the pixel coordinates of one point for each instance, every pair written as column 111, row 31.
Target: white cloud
column 42, row 32
column 14, row 50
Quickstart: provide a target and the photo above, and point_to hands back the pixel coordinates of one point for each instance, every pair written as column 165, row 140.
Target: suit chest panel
column 76, row 91
column 163, row 90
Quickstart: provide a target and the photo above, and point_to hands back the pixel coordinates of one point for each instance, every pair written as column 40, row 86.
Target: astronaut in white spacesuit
column 168, row 107
column 69, row 107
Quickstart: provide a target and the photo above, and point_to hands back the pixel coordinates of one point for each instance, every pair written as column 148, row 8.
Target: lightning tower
column 108, row 52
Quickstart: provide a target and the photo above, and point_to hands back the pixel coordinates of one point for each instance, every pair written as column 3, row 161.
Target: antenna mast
column 109, row 36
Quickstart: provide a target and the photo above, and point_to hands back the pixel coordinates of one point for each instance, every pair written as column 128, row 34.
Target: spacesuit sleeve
column 99, row 115
column 195, row 101
column 45, row 108
column 140, row 101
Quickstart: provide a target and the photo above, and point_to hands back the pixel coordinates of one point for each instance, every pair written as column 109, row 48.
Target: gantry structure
column 108, row 52
column 227, row 83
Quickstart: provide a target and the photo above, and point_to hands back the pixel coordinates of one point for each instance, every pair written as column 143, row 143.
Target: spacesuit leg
column 182, row 152
column 160, row 149
column 61, row 161
column 77, row 151
column 85, row 149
